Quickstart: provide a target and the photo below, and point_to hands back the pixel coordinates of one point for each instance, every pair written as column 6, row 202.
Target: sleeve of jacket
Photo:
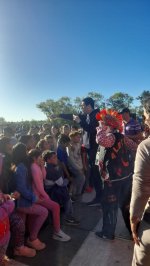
column 66, row 116
column 21, row 184
column 141, row 180
column 91, row 126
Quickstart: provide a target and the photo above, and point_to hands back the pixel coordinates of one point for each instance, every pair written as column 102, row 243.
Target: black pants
column 95, row 178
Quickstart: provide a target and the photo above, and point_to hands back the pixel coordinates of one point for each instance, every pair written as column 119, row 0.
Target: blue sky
column 54, row 48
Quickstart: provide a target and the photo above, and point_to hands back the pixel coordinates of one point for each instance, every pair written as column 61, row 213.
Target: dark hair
column 34, row 153
column 40, row 144
column 19, row 154
column 74, row 134
column 125, row 110
column 25, row 138
column 36, row 137
column 146, row 105
column 47, row 137
column 3, row 142
column 47, row 155
column 74, row 126
column 63, row 139
column 8, row 130
column 88, row 101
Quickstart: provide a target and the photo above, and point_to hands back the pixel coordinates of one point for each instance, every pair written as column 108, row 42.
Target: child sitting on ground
column 56, row 185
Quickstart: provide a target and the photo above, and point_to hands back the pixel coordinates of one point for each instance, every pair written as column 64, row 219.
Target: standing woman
column 140, row 200
column 26, row 203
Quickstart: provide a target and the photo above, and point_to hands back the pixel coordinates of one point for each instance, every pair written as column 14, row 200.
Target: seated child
column 56, row 185
column 38, row 174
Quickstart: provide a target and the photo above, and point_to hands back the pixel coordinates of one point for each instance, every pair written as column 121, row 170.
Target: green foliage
column 144, row 94
column 66, row 105
column 119, row 100
column 62, row 105
column 98, row 98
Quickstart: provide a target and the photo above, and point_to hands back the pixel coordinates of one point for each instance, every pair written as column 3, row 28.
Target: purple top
column 132, row 128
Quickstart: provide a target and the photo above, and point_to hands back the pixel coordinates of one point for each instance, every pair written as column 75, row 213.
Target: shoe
column 89, row 189
column 61, row 236
column 93, row 203
column 72, row 221
column 25, row 252
column 73, row 199
column 101, row 235
column 36, row 244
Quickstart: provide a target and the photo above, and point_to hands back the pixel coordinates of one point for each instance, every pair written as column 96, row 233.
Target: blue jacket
column 27, row 197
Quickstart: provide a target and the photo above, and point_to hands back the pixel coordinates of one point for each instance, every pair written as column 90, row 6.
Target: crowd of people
column 45, row 169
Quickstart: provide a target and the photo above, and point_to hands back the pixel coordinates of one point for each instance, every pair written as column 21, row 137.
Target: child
column 76, row 163
column 17, row 227
column 65, row 129
column 39, row 174
column 56, row 185
column 6, row 208
column 63, row 143
column 26, row 203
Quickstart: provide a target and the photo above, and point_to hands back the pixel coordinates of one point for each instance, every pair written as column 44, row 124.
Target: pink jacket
column 39, row 174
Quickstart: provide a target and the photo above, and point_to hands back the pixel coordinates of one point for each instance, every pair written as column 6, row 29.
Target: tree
column 143, row 96
column 62, row 105
column 119, row 100
column 98, row 98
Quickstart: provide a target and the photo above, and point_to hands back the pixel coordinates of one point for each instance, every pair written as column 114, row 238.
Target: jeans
column 115, row 194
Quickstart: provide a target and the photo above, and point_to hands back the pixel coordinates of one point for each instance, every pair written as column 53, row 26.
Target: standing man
column 88, row 122
column 140, row 200
column 131, row 128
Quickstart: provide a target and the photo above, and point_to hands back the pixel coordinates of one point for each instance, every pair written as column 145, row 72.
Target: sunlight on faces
column 76, row 139
column 38, row 160
column 85, row 108
column 54, row 130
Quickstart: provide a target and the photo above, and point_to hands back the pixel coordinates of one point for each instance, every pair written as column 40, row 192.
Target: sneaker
column 61, row 236
column 72, row 221
column 93, row 203
column 25, row 252
column 73, row 199
column 101, row 235
column 36, row 244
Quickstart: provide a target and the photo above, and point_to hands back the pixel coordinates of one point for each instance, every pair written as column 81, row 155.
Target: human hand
column 39, row 200
column 134, row 222
column 76, row 118
column 6, row 197
column 15, row 195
